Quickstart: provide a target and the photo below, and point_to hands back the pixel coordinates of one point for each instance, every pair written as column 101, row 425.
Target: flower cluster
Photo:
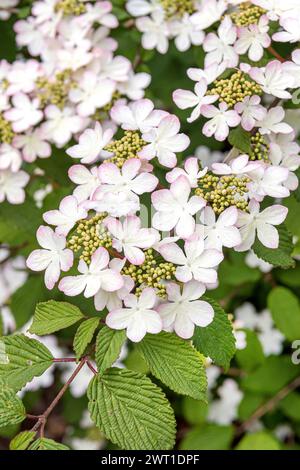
column 7, row 7
column 72, row 80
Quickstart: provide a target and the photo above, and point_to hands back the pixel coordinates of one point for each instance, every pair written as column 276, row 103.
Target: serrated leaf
column 281, row 256
column 240, row 139
column 108, row 347
column 53, row 316
column 216, row 340
column 84, row 335
column 175, row 363
column 12, row 410
column 285, row 310
column 131, row 411
column 47, row 444
column 22, row 440
column 22, row 359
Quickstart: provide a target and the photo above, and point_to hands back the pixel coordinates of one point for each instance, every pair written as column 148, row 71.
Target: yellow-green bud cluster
column 55, row 92
column 247, row 14
column 223, row 191
column 71, row 7
column 6, row 132
column 260, row 148
column 177, row 8
column 125, row 148
column 89, row 235
column 234, row 89
column 151, row 274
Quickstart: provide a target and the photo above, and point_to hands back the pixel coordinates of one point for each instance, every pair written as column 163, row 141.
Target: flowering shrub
column 176, row 249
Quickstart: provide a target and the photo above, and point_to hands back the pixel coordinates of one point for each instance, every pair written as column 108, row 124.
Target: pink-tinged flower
column 61, row 124
column 268, row 181
column 28, row 35
column 237, row 166
column 134, row 87
column 191, row 171
column 251, row 111
column 139, row 316
column 110, row 67
column 155, row 31
column 54, row 256
column 33, row 145
column 141, row 7
column 186, row 33
column 260, row 223
column 254, row 39
column 100, row 12
column 273, row 79
column 284, row 152
column 91, row 93
column 164, row 141
column 272, row 122
column 185, row 99
column 87, row 181
column 12, row 186
column 130, row 238
column 221, row 119
column 126, row 180
column 115, row 204
column 66, row 217
column 210, row 73
column 219, row 232
column 208, row 13
column 208, row 157
column 219, row 47
column 93, row 277
column 24, row 114
column 22, row 76
column 175, row 208
column 293, row 67
column 10, row 158
column 184, row 310
column 195, row 262
column 140, row 115
column 91, row 144
column 291, row 33
column 276, row 8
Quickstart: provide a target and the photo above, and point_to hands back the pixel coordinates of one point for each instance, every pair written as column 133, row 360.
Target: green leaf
column 208, row 437
column 285, row 309
column 12, row 410
column 216, row 340
column 47, row 444
column 108, row 347
column 22, row 440
column 24, row 300
column 194, row 411
column 175, row 363
column 240, row 139
column 290, row 406
column 249, row 404
column 274, row 374
column 131, row 411
column 258, row 441
column 84, row 335
column 18, row 227
column 234, row 271
column 252, row 355
column 53, row 316
column 281, row 257
column 22, row 359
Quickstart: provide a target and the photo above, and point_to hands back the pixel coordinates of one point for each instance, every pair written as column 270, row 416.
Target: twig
column 91, row 367
column 276, row 54
column 64, row 359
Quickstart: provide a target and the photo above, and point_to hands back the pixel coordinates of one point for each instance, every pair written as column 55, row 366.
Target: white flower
column 260, row 223
column 91, row 143
column 219, row 48
column 254, row 39
column 208, row 13
column 139, row 316
column 237, row 166
column 33, row 145
column 210, row 73
column 220, row 232
column 284, row 152
column 137, row 116
column 164, row 141
column 186, row 33
column 61, row 124
column 254, row 261
column 221, row 119
column 130, row 238
column 185, row 99
column 274, row 79
column 195, row 262
column 184, row 310
column 142, row 7
column 272, row 122
column 191, row 171
column 225, row 410
column 134, row 87
column 10, row 158
column 66, row 217
column 54, row 257
column 176, row 209
column 207, row 156
column 12, row 186
column 155, row 31
column 93, row 277
column 291, row 30
column 87, row 181
column 251, row 111
column 24, row 114
column 268, row 181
